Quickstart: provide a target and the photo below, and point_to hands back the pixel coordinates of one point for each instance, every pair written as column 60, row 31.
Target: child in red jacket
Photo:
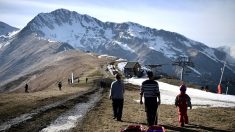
column 183, row 101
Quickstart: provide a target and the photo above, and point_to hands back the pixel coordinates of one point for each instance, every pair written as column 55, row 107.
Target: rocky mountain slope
column 6, row 33
column 131, row 41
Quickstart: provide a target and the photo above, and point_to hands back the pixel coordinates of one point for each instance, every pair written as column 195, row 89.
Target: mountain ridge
column 128, row 40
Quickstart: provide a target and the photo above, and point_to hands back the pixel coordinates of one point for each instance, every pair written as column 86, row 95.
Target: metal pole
column 222, row 73
column 72, row 77
column 182, row 72
column 227, row 88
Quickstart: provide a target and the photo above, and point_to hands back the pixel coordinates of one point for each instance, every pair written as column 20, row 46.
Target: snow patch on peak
column 124, row 46
column 196, row 71
column 186, row 43
column 160, row 45
column 135, row 30
column 210, row 53
column 66, row 33
column 109, row 34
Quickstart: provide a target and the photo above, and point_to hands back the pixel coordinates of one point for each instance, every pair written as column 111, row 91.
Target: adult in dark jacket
column 116, row 94
column 150, row 90
column 182, row 101
column 60, row 85
column 26, row 88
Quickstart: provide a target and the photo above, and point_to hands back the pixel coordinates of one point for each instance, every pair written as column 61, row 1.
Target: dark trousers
column 151, row 110
column 117, row 108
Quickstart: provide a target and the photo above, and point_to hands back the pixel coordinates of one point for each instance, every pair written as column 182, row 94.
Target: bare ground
column 202, row 119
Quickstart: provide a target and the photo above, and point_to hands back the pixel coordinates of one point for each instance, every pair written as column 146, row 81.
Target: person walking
column 116, row 94
column 150, row 90
column 60, row 85
column 183, row 101
column 26, row 88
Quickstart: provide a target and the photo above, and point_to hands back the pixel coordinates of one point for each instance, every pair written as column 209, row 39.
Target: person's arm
column 176, row 101
column 141, row 94
column 158, row 93
column 110, row 92
column 123, row 87
column 159, row 98
column 189, row 102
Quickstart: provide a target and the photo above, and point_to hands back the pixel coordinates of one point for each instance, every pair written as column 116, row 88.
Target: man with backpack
column 183, row 101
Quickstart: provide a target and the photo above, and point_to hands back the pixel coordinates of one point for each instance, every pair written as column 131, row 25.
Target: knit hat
column 182, row 88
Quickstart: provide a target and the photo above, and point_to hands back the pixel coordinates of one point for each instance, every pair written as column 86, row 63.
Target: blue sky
column 211, row 22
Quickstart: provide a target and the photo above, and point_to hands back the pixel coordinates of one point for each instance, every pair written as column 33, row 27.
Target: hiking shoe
column 119, row 120
column 181, row 125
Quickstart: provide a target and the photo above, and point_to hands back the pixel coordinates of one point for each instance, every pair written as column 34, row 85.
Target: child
column 182, row 101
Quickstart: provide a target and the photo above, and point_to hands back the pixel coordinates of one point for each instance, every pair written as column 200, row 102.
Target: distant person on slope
column 60, row 85
column 150, row 90
column 116, row 94
column 26, row 88
column 183, row 101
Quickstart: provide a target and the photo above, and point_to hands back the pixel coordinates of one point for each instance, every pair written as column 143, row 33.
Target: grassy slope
column 204, row 119
column 15, row 104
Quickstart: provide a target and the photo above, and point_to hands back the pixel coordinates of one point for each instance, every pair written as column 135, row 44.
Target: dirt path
column 201, row 119
column 41, row 117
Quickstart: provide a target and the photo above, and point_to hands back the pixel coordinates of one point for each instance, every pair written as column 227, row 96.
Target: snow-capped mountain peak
column 128, row 40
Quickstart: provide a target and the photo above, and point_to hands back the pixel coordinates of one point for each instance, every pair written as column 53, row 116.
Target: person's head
column 150, row 74
column 182, row 88
column 118, row 76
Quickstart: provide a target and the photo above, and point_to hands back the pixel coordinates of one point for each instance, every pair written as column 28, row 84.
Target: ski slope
column 199, row 98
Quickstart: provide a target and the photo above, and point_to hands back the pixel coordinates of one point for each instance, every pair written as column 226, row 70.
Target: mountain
column 131, row 41
column 6, row 29
column 6, row 33
column 25, row 56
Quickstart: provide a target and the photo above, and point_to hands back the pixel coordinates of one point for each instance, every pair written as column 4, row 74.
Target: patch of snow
column 11, row 34
column 65, row 33
column 196, row 71
column 199, row 98
column 161, row 46
column 109, row 34
column 210, row 53
column 6, row 125
column 111, row 69
column 186, row 43
column 107, row 56
column 121, row 60
column 121, row 65
column 151, row 48
column 135, row 30
column 51, row 41
column 124, row 46
column 70, row 118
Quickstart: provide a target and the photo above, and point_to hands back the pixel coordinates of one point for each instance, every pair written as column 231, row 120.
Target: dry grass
column 17, row 103
column 205, row 119
column 14, row 104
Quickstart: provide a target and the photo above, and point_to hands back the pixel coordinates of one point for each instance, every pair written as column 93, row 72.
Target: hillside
column 45, row 102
